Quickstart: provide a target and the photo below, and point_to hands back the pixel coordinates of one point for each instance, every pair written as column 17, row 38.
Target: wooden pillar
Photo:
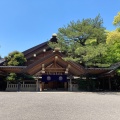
column 103, row 81
column 88, row 81
column 42, row 86
column 115, row 84
column 65, row 85
column 109, row 83
column 7, row 84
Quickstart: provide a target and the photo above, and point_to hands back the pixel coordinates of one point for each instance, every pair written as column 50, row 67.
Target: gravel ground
column 59, row 106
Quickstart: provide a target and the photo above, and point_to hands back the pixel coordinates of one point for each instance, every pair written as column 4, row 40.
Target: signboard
column 48, row 78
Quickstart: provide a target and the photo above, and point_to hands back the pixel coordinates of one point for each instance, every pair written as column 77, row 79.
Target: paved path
column 59, row 106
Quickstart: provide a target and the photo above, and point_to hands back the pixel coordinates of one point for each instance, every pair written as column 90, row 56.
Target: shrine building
column 52, row 72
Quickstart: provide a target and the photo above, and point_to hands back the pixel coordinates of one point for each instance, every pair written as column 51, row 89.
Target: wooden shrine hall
column 52, row 72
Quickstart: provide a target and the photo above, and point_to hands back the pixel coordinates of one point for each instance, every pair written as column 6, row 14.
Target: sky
column 27, row 23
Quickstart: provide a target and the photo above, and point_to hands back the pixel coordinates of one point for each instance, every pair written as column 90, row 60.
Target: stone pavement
column 59, row 106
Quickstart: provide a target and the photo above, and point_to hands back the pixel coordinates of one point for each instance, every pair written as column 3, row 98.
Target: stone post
column 41, row 86
column 70, row 84
column 36, row 84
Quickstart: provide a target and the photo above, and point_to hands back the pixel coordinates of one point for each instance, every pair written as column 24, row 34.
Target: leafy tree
column 19, row 77
column 113, row 42
column 113, row 53
column 92, row 55
column 113, row 36
column 11, row 77
column 116, row 20
column 15, row 59
column 81, row 31
column 83, row 41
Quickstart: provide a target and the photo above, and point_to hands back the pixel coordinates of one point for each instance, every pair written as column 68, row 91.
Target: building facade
column 52, row 72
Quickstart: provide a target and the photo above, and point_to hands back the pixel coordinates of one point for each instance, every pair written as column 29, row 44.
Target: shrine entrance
column 54, row 82
column 55, row 85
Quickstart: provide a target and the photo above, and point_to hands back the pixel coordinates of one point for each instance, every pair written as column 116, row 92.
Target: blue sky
column 26, row 23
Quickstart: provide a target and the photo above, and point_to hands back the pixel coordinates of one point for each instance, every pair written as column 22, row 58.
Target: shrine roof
column 35, row 48
column 22, row 67
column 2, row 60
column 16, row 69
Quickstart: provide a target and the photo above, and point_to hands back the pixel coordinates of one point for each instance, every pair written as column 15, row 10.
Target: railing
column 22, row 87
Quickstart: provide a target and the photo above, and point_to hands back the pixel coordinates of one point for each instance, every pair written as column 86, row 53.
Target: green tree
column 15, row 59
column 83, row 41
column 81, row 31
column 92, row 55
column 116, row 20
column 113, row 42
column 11, row 77
column 113, row 36
column 113, row 53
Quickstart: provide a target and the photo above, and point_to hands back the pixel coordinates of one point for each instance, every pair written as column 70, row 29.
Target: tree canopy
column 116, row 20
column 15, row 58
column 113, row 37
column 81, row 31
column 113, row 42
column 83, row 41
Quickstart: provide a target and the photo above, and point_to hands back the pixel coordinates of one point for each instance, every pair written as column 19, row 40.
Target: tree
column 116, row 20
column 92, row 55
column 113, row 42
column 11, row 77
column 113, row 53
column 15, row 59
column 83, row 41
column 113, row 36
column 81, row 31
column 18, row 77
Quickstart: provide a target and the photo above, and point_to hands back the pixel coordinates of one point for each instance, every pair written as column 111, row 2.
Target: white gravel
column 59, row 106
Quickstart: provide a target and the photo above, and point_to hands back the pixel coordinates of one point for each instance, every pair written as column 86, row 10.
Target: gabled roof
column 49, row 59
column 37, row 65
column 39, row 48
column 34, row 48
column 2, row 60
column 61, row 65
